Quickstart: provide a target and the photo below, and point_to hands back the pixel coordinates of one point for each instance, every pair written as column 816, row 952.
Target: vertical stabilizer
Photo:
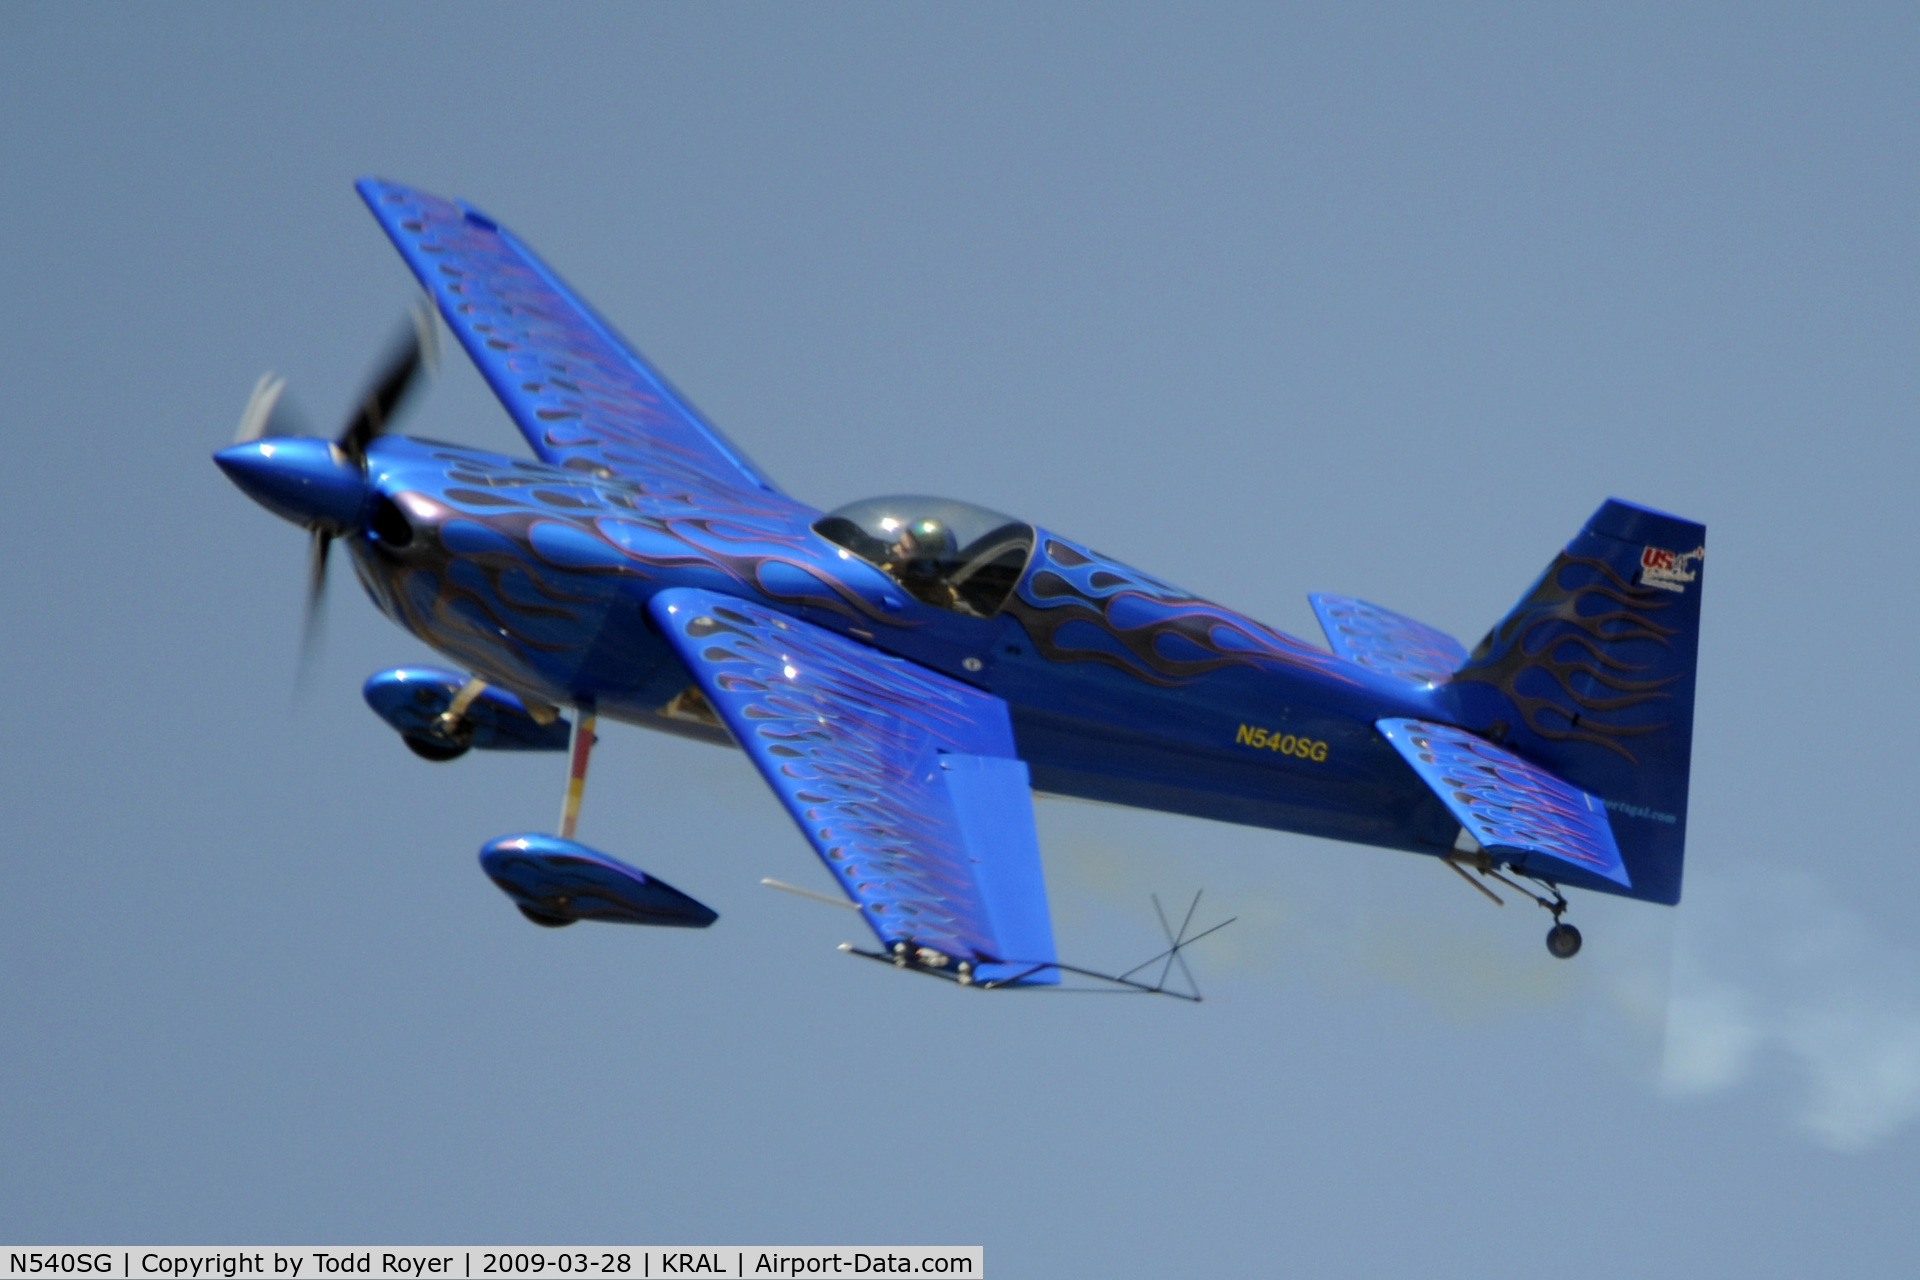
column 1592, row 676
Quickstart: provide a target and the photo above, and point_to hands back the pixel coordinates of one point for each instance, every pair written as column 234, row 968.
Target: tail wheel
column 1563, row 940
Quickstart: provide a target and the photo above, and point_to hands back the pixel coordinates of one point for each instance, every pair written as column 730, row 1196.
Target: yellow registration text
column 1286, row 744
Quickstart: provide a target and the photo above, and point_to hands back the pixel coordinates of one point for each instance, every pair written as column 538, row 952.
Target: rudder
column 1592, row 676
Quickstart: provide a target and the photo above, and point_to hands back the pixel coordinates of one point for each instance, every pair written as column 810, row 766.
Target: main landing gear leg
column 580, row 751
column 582, row 748
column 451, row 734
column 453, row 721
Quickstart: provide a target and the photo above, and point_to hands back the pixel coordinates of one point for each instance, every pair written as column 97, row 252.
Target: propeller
column 316, row 604
column 269, row 415
column 415, row 351
column 412, row 353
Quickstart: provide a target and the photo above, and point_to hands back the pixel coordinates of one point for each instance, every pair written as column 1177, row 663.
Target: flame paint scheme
column 644, row 569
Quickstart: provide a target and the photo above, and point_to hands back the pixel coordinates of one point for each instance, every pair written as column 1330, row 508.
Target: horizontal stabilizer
column 1384, row 641
column 1516, row 810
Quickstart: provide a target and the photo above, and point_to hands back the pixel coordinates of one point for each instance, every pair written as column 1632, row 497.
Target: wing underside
column 1512, row 808
column 904, row 781
column 580, row 395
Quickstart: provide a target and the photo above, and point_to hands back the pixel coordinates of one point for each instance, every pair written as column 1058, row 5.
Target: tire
column 544, row 919
column 1563, row 940
column 429, row 749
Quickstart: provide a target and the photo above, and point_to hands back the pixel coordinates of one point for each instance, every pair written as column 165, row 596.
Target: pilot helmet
column 924, row 547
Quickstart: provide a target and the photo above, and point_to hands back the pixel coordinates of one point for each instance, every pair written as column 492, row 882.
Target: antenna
column 784, row 887
column 1177, row 943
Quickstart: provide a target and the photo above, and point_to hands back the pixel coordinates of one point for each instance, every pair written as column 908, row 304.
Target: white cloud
column 1773, row 971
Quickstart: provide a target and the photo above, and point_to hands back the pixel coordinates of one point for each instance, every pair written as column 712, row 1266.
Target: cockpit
column 952, row 555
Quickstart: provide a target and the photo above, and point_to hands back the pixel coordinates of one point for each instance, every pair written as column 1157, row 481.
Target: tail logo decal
column 1669, row 570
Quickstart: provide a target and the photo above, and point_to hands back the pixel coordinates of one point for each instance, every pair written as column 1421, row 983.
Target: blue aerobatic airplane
column 905, row 671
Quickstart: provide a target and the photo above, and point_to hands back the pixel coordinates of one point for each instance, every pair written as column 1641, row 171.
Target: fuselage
column 1122, row 688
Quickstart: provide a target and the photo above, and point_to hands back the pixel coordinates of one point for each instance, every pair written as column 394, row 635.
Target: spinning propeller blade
column 414, row 352
column 316, row 598
column 268, row 413
column 290, row 475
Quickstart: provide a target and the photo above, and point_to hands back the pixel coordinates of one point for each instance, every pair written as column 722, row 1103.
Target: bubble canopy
column 952, row 555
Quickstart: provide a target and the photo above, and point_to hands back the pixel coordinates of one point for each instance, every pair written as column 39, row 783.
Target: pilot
column 919, row 558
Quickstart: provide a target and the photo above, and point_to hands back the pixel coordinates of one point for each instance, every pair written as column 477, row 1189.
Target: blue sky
column 1380, row 300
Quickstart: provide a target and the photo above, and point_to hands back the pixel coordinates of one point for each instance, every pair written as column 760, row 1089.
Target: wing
column 904, row 781
column 1384, row 641
column 1507, row 804
column 581, row 396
